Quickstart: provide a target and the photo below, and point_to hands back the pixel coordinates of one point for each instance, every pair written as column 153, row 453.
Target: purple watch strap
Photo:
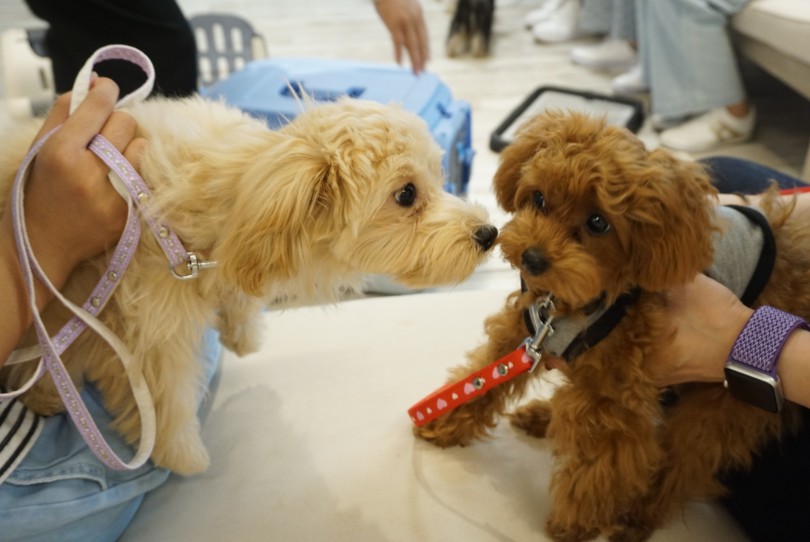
column 761, row 340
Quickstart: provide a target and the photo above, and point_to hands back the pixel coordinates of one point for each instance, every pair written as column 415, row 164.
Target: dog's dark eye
column 597, row 224
column 539, row 200
column 406, row 195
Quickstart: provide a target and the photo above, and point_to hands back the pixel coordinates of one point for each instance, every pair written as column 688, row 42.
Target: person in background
column 76, row 29
column 564, row 20
column 689, row 64
column 617, row 51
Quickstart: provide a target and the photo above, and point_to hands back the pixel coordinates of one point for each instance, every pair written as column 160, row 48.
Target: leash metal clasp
column 541, row 313
column 194, row 265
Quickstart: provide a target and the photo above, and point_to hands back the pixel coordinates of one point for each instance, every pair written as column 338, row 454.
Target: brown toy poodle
column 600, row 222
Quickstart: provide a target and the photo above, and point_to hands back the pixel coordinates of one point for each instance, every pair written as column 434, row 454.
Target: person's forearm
column 16, row 316
column 802, row 201
column 793, row 368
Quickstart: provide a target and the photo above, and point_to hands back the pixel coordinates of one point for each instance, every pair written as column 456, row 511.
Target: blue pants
column 687, row 55
column 61, row 491
column 735, row 175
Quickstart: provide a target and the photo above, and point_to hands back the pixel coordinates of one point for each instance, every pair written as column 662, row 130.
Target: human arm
column 708, row 318
column 802, row 202
column 72, row 212
column 406, row 24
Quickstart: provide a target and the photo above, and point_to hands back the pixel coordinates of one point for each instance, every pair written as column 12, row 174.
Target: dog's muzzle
column 485, row 236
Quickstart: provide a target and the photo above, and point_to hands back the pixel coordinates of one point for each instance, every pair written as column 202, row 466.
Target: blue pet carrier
column 266, row 89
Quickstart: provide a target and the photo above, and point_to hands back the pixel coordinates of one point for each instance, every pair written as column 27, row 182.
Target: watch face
column 754, row 388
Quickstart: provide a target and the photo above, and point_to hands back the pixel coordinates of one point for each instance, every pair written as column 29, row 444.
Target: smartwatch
column 751, row 366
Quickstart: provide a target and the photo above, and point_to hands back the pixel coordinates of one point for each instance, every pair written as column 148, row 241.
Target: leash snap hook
column 194, row 265
column 542, row 315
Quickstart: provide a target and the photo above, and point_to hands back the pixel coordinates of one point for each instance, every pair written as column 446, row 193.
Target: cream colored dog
column 299, row 214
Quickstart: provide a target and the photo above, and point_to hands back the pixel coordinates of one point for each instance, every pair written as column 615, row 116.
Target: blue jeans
column 735, row 175
column 61, row 491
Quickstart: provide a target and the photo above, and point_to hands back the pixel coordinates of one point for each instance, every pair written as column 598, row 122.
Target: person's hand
column 406, row 24
column 72, row 211
column 707, row 318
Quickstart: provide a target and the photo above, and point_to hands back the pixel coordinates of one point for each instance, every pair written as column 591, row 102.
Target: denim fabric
column 736, row 175
column 687, row 55
column 623, row 20
column 61, row 491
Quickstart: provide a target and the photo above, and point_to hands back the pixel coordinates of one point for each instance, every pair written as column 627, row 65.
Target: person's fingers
column 424, row 41
column 92, row 114
column 57, row 115
column 414, row 49
column 134, row 151
column 120, row 129
column 397, row 39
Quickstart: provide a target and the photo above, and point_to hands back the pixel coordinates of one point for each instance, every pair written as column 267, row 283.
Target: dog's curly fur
column 624, row 463
column 298, row 214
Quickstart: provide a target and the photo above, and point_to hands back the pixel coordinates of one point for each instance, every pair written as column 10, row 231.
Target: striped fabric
column 19, row 429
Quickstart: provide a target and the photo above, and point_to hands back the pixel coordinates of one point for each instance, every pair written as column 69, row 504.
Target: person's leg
column 735, row 175
column 61, row 491
column 771, row 501
column 623, row 20
column 689, row 61
column 156, row 27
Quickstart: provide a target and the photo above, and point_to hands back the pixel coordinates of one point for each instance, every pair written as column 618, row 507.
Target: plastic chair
column 225, row 43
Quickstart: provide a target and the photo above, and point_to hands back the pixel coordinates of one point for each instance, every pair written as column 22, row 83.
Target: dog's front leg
column 607, row 456
column 505, row 331
column 238, row 324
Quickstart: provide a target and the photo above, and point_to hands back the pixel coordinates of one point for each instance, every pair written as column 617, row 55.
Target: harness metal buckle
column 541, row 313
column 194, row 265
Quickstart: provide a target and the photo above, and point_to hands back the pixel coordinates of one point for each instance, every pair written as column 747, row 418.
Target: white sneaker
column 542, row 13
column 630, row 82
column 709, row 130
column 562, row 25
column 606, row 55
column 660, row 123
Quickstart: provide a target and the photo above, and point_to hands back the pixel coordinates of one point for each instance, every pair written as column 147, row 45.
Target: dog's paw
column 457, row 44
column 569, row 533
column 533, row 418
column 184, row 453
column 42, row 402
column 242, row 340
column 460, row 427
column 479, row 46
column 632, row 529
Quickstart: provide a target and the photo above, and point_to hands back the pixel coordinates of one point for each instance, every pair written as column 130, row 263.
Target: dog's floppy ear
column 273, row 218
column 513, row 158
column 672, row 225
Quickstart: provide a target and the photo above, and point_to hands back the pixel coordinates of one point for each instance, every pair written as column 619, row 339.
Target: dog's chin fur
column 296, row 215
column 624, row 463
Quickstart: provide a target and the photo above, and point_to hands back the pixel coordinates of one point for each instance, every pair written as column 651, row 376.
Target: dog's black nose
column 534, row 261
column 485, row 236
